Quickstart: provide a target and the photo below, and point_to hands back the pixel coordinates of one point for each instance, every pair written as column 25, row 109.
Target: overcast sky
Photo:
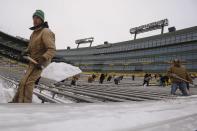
column 105, row 20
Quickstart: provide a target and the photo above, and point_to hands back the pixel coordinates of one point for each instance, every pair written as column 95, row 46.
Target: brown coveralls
column 42, row 44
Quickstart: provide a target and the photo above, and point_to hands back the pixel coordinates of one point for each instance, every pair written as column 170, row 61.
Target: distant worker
column 155, row 76
column 93, row 76
column 90, row 79
column 102, row 78
column 162, row 80
column 133, row 77
column 41, row 48
column 147, row 78
column 166, row 79
column 121, row 77
column 117, row 80
column 179, row 77
column 74, row 80
column 109, row 78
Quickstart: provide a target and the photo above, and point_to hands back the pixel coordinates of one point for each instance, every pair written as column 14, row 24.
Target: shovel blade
column 60, row 71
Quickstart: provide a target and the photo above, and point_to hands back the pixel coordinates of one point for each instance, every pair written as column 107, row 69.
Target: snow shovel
column 56, row 71
column 192, row 84
column 32, row 60
column 175, row 76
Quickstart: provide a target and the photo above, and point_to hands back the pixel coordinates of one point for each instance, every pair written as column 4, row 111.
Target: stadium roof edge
column 113, row 44
column 13, row 37
column 140, row 39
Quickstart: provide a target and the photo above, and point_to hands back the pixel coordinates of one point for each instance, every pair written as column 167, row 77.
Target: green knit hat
column 40, row 14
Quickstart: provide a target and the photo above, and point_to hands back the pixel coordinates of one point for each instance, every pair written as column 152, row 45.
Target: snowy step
column 132, row 91
column 117, row 95
column 125, row 93
column 67, row 94
column 140, row 90
column 96, row 95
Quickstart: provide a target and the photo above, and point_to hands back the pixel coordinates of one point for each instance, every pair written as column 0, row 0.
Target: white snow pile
column 171, row 115
column 60, row 71
column 7, row 92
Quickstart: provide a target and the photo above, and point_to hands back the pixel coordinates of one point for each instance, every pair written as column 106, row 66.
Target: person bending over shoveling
column 42, row 49
column 179, row 77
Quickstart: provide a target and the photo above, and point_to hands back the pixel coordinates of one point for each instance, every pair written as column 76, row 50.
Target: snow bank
column 175, row 115
column 60, row 71
column 7, row 92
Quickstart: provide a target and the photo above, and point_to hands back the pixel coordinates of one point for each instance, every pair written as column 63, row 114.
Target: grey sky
column 106, row 20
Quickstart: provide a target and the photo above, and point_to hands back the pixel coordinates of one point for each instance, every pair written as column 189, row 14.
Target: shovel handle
column 177, row 77
column 30, row 59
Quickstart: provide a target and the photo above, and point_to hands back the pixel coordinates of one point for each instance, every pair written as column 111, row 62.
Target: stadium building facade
column 150, row 54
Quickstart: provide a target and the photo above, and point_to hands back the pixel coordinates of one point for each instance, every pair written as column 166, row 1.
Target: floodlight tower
column 84, row 41
column 149, row 27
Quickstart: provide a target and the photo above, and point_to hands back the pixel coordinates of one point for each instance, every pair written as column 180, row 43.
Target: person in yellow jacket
column 42, row 49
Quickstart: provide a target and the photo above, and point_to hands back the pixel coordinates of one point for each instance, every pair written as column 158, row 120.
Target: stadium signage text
column 149, row 27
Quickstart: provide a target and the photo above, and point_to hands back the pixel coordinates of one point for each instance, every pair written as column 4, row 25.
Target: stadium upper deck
column 150, row 54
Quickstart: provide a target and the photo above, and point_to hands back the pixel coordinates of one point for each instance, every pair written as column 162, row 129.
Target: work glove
column 39, row 66
column 191, row 82
column 41, row 62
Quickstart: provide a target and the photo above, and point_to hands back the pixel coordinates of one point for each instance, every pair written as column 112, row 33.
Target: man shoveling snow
column 179, row 77
column 41, row 48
